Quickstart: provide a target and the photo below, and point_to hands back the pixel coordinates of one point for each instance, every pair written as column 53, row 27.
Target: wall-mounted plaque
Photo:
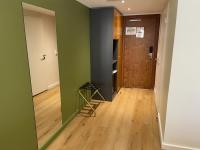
column 140, row 32
column 131, row 30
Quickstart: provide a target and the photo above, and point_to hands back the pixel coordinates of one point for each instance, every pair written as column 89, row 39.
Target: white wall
column 50, row 46
column 160, row 56
column 165, row 49
column 41, row 39
column 183, row 111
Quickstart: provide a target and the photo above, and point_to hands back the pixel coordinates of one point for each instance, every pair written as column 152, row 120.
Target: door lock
column 150, row 52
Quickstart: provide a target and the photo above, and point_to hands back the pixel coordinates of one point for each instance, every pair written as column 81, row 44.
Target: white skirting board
column 176, row 147
column 160, row 128
column 166, row 146
column 53, row 85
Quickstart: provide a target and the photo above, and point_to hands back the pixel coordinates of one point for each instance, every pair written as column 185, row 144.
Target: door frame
column 38, row 9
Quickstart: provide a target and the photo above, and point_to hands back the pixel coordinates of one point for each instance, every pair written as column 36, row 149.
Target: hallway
column 128, row 123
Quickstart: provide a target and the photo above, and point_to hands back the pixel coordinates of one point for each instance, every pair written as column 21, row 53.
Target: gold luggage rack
column 91, row 105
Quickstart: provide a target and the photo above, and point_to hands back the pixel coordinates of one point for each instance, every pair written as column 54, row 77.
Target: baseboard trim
column 176, row 147
column 53, row 85
column 160, row 128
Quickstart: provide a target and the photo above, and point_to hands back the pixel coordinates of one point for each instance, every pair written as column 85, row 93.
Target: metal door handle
column 43, row 57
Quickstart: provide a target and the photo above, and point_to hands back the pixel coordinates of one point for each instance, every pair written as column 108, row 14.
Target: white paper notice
column 140, row 32
column 131, row 30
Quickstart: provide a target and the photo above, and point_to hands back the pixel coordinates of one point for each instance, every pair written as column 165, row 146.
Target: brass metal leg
column 97, row 92
column 93, row 110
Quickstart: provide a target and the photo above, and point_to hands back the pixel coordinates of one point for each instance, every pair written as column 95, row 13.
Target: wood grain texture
column 138, row 67
column 128, row 123
column 48, row 117
column 118, row 34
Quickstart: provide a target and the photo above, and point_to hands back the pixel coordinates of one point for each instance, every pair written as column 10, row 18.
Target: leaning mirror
column 40, row 29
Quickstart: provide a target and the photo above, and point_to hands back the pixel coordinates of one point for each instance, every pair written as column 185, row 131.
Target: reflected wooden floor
column 47, row 107
column 128, row 123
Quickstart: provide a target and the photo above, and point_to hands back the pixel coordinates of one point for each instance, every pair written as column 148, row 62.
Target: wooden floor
column 128, row 123
column 47, row 107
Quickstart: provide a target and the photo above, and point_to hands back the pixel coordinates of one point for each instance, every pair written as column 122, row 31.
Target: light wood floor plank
column 47, row 106
column 128, row 123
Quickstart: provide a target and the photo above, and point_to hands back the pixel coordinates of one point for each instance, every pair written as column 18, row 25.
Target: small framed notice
column 131, row 30
column 140, row 32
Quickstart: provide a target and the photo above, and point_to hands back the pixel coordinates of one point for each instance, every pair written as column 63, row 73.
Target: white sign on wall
column 137, row 31
column 131, row 30
column 140, row 32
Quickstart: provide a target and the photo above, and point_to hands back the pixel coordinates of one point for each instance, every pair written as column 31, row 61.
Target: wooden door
column 140, row 51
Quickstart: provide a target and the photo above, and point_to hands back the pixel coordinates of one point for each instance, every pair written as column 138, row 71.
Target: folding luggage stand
column 91, row 104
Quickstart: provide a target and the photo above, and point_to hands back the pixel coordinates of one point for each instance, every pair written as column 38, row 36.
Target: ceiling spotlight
column 123, row 1
column 129, row 9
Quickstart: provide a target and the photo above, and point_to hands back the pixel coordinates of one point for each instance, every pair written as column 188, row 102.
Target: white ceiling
column 136, row 6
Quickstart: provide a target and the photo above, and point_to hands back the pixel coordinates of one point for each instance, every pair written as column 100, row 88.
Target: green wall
column 17, row 125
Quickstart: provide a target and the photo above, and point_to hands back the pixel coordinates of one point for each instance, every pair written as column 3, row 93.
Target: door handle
column 43, row 57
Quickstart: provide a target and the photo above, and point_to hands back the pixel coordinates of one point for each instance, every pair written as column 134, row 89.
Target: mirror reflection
column 40, row 29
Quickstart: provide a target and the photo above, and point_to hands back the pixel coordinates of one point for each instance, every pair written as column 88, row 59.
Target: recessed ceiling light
column 129, row 9
column 123, row 1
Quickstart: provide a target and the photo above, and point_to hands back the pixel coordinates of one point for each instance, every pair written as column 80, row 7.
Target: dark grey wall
column 101, row 33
